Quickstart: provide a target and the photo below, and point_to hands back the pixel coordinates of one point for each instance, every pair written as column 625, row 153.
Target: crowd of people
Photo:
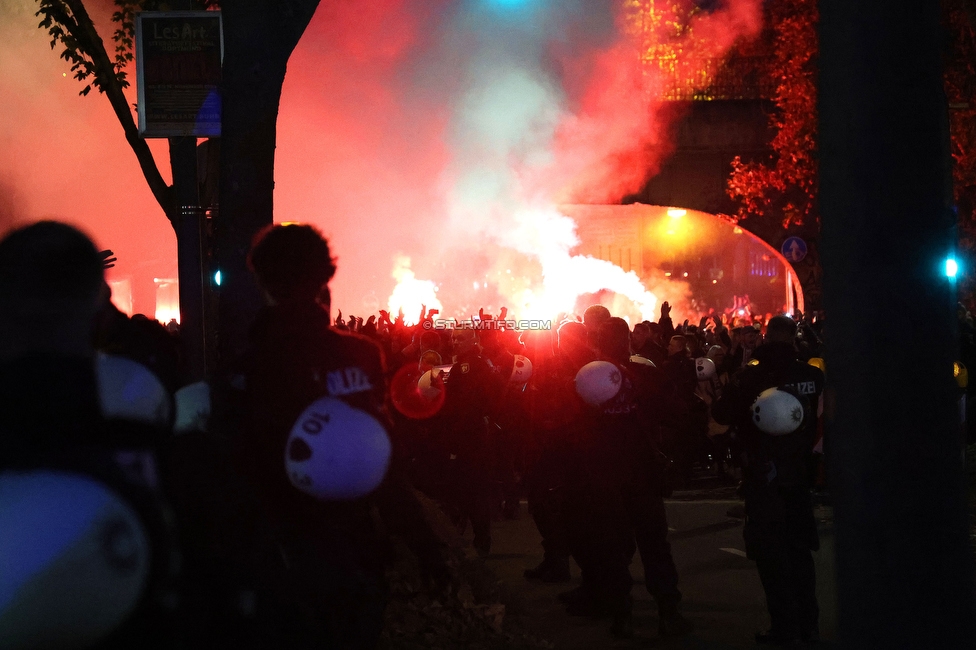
column 594, row 474
column 273, row 528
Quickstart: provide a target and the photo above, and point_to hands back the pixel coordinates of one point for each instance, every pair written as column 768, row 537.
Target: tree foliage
column 124, row 18
column 783, row 187
column 259, row 38
column 69, row 24
column 960, row 88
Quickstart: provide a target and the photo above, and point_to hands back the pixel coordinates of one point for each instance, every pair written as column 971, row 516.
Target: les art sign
column 178, row 65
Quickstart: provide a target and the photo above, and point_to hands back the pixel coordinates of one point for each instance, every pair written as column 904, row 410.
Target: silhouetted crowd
column 258, row 509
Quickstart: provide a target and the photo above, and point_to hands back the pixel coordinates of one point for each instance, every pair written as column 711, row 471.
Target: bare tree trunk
column 904, row 563
column 259, row 37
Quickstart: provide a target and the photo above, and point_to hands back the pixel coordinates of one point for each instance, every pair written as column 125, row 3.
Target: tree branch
column 85, row 34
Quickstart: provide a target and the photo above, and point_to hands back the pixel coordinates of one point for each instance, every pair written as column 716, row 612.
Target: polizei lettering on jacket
column 803, row 387
column 347, row 381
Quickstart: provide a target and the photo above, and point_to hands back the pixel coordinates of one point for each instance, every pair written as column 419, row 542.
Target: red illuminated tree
column 960, row 87
column 782, row 190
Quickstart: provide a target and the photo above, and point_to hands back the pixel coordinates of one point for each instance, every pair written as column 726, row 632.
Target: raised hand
column 108, row 259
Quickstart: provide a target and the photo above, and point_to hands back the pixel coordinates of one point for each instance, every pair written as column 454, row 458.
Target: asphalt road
column 722, row 595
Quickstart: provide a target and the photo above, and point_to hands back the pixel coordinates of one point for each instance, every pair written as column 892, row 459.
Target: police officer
column 473, row 390
column 618, row 458
column 553, row 413
column 52, row 420
column 780, row 531
column 320, row 568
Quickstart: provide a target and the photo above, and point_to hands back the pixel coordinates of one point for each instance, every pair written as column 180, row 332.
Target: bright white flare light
column 411, row 294
column 549, row 235
column 544, row 235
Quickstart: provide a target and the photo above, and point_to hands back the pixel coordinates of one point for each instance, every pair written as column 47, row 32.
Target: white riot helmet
column 705, row 368
column 777, row 412
column 598, row 382
column 74, row 560
column 522, row 370
column 192, row 408
column 337, row 452
column 431, row 383
column 128, row 390
column 644, row 361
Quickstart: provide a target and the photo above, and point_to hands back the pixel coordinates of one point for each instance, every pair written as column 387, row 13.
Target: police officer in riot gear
column 472, row 394
column 318, row 563
column 623, row 506
column 780, row 531
column 554, row 416
column 53, row 422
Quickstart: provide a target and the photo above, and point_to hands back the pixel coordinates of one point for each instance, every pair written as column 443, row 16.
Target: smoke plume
column 443, row 131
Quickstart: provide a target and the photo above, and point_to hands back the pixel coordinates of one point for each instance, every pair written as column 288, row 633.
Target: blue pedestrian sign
column 794, row 249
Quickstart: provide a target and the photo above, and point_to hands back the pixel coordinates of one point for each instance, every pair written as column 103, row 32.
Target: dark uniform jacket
column 621, row 438
column 473, row 391
column 294, row 359
column 775, row 460
column 50, row 419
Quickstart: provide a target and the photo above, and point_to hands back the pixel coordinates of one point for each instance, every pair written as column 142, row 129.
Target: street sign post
column 179, row 55
column 178, row 65
column 794, row 249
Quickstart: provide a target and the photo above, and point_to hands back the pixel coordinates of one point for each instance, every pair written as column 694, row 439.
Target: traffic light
column 951, row 268
column 508, row 3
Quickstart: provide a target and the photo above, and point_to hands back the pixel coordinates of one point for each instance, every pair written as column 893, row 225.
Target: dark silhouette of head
column 574, row 344
column 292, row 262
column 613, row 340
column 571, row 334
column 430, row 341
column 51, row 289
column 595, row 316
column 464, row 341
column 656, row 334
column 641, row 333
column 781, row 329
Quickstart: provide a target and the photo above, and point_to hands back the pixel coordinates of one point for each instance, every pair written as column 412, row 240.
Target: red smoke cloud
column 370, row 144
column 65, row 157
column 375, row 142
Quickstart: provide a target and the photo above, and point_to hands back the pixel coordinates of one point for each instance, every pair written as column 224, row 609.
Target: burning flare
column 410, row 294
column 525, row 135
column 549, row 236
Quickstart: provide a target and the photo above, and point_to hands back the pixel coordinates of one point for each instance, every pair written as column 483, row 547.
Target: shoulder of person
column 349, row 338
column 754, row 370
column 356, row 342
column 812, row 374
